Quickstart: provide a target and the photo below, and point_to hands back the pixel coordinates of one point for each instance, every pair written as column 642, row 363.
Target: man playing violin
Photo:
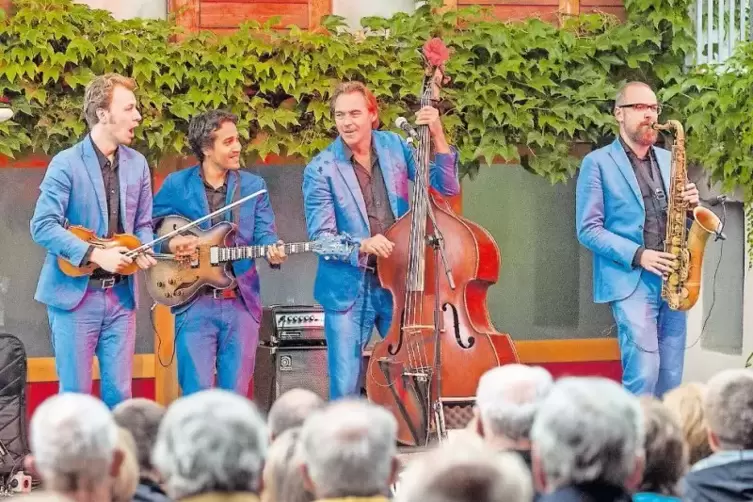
column 359, row 185
column 104, row 186
column 219, row 328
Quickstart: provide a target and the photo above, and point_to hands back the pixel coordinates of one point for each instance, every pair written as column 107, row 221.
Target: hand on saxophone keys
column 657, row 262
column 690, row 195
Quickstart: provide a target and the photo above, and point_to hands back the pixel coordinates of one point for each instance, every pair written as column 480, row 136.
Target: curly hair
column 202, row 128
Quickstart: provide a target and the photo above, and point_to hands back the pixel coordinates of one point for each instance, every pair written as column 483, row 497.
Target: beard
column 644, row 134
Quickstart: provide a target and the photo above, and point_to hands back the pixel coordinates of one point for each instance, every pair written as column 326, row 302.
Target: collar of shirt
column 352, row 157
column 221, row 188
column 721, row 458
column 631, row 154
column 104, row 162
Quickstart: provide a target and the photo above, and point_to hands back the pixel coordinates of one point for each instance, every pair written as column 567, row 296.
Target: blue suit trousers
column 652, row 339
column 349, row 332
column 104, row 322
column 216, row 334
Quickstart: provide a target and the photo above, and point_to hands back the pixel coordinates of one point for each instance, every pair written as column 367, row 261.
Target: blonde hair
column 98, row 94
column 686, row 403
column 125, row 484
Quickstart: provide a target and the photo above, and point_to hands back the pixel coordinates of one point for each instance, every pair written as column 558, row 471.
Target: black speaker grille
column 279, row 369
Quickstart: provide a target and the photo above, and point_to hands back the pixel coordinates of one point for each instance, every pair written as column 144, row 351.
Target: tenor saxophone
column 681, row 287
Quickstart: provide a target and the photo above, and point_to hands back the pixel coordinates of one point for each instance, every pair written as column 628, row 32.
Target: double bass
column 441, row 339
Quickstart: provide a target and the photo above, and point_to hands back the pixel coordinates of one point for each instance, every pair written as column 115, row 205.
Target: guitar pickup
column 214, row 255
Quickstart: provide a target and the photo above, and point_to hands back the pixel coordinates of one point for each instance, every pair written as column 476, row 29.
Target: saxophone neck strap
column 655, row 182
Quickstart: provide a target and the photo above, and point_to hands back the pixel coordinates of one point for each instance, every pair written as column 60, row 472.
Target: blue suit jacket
column 334, row 204
column 610, row 214
column 73, row 190
column 183, row 194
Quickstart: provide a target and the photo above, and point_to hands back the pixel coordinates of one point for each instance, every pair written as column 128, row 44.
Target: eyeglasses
column 642, row 107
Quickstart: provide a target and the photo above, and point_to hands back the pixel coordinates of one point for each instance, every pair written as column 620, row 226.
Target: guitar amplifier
column 282, row 368
column 292, row 325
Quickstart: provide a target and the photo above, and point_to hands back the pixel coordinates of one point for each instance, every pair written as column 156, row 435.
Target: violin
column 129, row 241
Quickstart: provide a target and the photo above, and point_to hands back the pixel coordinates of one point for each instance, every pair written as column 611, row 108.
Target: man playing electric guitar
column 218, row 325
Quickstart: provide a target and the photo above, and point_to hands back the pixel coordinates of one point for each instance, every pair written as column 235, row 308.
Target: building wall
column 128, row 9
column 120, row 9
column 224, row 16
column 354, row 11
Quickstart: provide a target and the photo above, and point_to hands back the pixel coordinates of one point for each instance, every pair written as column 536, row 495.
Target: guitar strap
column 235, row 197
column 236, row 216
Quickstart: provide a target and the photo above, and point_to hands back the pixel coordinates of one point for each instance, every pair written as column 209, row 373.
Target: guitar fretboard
column 244, row 252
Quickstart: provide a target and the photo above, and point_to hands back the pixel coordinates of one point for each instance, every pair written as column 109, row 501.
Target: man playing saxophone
column 621, row 217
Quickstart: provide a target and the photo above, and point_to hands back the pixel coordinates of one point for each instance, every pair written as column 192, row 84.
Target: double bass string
column 421, row 213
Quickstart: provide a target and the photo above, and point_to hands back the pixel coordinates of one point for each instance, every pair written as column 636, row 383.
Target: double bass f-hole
column 466, row 344
column 454, row 326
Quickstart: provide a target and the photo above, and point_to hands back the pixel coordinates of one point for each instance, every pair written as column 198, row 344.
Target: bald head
column 291, row 409
column 629, row 89
column 729, row 409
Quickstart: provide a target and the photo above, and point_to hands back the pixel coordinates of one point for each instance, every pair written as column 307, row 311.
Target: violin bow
column 132, row 253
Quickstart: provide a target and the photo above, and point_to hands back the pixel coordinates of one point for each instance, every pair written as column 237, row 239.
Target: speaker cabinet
column 281, row 368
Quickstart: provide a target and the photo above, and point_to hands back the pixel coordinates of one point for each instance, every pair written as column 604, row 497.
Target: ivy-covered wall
column 525, row 92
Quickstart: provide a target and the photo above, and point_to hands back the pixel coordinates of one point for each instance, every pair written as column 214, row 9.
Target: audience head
column 507, row 399
column 294, row 485
column 73, row 440
column 279, row 456
column 141, row 417
column 587, row 430
column 125, row 483
column 210, row 441
column 291, row 409
column 686, row 404
column 729, row 410
column 349, row 450
column 466, row 472
column 665, row 448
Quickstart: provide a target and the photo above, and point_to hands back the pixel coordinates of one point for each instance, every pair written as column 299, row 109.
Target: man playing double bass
column 359, row 185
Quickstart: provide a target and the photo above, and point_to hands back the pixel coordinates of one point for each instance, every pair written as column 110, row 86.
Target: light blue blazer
column 609, row 217
column 73, row 190
column 333, row 204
